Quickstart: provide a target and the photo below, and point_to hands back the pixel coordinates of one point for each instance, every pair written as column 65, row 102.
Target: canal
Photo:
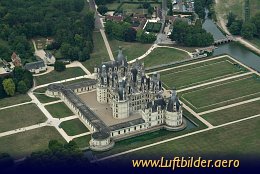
column 234, row 49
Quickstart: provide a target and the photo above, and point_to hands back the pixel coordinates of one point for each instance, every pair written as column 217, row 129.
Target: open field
column 200, row 73
column 99, row 54
column 240, row 138
column 21, row 98
column 20, row 116
column 223, row 93
column 83, row 141
column 234, row 113
column 56, row 76
column 59, row 110
column 130, row 49
column 163, row 56
column 24, row 143
column 236, row 7
column 151, row 137
column 74, row 127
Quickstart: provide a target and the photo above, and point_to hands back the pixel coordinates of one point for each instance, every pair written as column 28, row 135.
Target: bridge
column 223, row 41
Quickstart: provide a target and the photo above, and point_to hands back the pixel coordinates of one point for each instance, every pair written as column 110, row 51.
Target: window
column 135, row 127
column 118, row 132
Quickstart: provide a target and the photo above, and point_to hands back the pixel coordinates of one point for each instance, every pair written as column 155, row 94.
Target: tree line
column 64, row 20
column 191, row 35
column 247, row 29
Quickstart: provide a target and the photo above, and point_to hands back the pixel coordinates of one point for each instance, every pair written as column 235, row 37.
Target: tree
column 9, row 86
column 231, row 18
column 248, row 30
column 59, row 66
column 102, row 9
column 21, row 87
column 130, row 35
column 235, row 27
column 256, row 21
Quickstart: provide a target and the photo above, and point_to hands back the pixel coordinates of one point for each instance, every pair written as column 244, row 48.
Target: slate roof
column 126, row 124
column 34, row 65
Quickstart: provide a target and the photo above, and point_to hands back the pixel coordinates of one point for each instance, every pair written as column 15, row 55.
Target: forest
column 67, row 21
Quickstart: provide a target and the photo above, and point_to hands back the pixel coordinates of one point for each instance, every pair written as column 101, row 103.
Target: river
column 239, row 52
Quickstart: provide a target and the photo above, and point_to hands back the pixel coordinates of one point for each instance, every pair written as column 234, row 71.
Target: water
column 237, row 51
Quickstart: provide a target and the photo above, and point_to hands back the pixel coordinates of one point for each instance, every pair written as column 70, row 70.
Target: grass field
column 83, row 141
column 200, row 72
column 236, row 7
column 256, row 42
column 130, row 49
column 99, row 54
column 223, row 93
column 45, row 99
column 59, row 110
column 74, row 127
column 149, row 138
column 21, row 98
column 20, row 116
column 240, row 138
column 56, row 76
column 163, row 56
column 23, row 144
column 234, row 113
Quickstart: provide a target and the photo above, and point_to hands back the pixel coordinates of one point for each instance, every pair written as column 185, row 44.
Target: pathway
column 107, row 44
column 78, row 64
column 20, row 104
column 230, row 106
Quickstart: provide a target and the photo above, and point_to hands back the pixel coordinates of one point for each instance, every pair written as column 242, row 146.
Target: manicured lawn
column 153, row 27
column 74, row 127
column 99, row 54
column 23, row 144
column 199, row 73
column 45, row 99
column 163, row 56
column 149, row 138
column 240, row 138
column 130, row 49
column 221, row 94
column 56, row 76
column 20, row 116
column 83, row 141
column 256, row 42
column 234, row 113
column 21, row 98
column 59, row 110
column 113, row 6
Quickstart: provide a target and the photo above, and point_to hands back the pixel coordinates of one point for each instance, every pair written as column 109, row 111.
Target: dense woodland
column 64, row 20
column 191, row 35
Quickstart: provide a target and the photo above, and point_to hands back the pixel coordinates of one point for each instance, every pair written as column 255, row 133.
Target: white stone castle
column 138, row 103
column 128, row 91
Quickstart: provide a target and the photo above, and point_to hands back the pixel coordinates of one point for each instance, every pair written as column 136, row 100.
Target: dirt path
column 222, row 24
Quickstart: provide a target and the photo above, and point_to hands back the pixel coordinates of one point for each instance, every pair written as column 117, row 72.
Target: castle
column 137, row 101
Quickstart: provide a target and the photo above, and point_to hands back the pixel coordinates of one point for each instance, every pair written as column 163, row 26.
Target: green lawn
column 256, row 42
column 23, row 144
column 74, row 127
column 130, row 49
column 56, row 76
column 199, row 73
column 240, row 138
column 83, row 141
column 59, row 110
column 45, row 99
column 99, row 54
column 21, row 98
column 20, row 116
column 163, row 56
column 149, row 138
column 234, row 113
column 223, row 93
